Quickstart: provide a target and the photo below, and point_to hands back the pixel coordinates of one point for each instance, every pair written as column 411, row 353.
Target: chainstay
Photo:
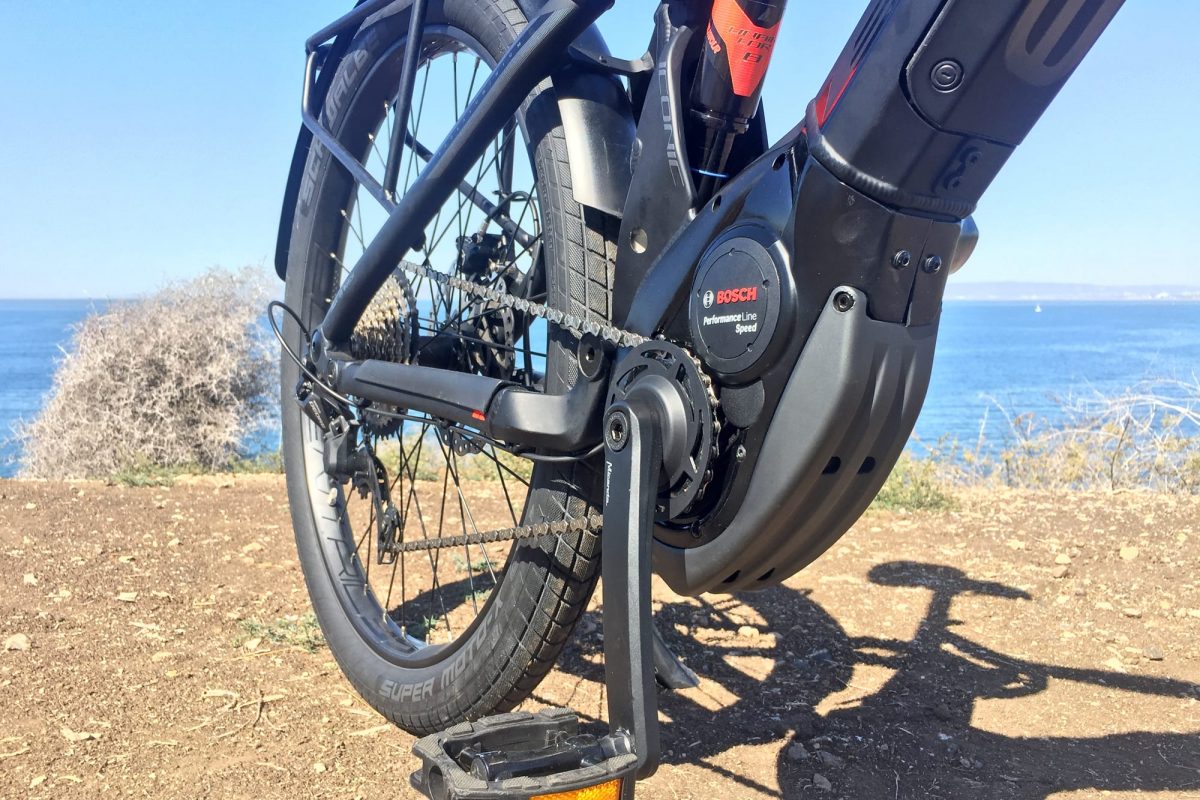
column 579, row 326
column 592, row 523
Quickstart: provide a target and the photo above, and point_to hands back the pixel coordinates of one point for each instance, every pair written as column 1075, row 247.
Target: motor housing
column 739, row 293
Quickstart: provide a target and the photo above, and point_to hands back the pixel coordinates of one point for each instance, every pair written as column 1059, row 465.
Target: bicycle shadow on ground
column 911, row 734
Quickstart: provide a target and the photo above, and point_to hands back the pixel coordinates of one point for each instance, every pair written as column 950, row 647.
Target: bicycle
column 669, row 344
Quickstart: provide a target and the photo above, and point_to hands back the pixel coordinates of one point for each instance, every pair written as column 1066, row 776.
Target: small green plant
column 1146, row 438
column 421, row 630
column 144, row 473
column 262, row 464
column 426, row 461
column 914, row 486
column 412, row 458
column 481, row 467
column 291, row 631
column 482, row 565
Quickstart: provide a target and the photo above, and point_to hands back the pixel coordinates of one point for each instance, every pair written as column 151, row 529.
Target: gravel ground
column 156, row 643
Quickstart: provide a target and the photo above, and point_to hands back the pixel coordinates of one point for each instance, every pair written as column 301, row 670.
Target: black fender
column 597, row 118
column 329, row 64
column 598, row 123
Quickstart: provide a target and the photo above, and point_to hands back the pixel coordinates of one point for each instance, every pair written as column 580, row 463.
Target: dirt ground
column 1027, row 646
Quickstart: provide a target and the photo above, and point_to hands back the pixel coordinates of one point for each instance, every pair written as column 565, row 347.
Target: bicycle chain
column 592, row 523
column 572, row 323
column 579, row 327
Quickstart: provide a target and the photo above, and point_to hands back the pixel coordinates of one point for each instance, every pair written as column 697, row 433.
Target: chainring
column 691, row 473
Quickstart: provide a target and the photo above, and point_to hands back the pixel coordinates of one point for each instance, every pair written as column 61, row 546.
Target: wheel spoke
column 513, row 229
column 423, row 603
column 485, row 168
column 451, row 458
column 408, row 176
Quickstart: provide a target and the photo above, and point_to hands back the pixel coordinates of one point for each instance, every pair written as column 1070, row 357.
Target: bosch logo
column 734, row 302
column 746, row 294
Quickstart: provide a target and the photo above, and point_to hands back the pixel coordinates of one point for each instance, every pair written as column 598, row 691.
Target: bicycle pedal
column 524, row 756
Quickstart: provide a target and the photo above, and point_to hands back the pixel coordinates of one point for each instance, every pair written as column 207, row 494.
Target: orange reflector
column 479, row 415
column 605, row 791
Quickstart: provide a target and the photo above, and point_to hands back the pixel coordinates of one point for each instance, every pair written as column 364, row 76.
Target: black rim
column 420, row 608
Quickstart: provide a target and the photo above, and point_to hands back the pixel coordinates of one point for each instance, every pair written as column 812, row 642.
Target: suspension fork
column 738, row 42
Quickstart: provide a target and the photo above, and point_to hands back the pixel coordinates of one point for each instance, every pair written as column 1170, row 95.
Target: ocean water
column 995, row 357
column 32, row 333
column 990, row 356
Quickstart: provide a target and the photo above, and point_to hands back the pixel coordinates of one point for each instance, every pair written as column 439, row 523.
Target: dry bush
column 1147, row 438
column 181, row 378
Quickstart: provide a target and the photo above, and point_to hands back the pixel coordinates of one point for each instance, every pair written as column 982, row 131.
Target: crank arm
column 633, row 463
column 669, row 671
column 557, row 424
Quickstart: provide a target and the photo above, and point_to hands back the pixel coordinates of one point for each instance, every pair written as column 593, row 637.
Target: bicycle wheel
column 437, row 637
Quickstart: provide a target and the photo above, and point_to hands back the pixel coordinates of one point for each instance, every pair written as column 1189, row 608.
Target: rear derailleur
column 350, row 459
column 492, row 329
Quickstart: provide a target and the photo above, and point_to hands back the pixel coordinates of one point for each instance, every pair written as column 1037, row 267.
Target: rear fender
column 597, row 118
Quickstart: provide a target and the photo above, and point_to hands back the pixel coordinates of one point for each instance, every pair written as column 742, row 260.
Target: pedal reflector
column 605, row 791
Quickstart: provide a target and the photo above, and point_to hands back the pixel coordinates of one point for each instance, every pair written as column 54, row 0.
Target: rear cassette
column 387, row 332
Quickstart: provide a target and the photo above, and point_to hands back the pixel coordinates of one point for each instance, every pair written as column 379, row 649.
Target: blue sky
column 146, row 141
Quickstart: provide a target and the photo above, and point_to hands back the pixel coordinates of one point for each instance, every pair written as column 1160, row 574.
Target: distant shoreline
column 1024, row 292
column 982, row 292
column 66, row 299
column 1074, row 300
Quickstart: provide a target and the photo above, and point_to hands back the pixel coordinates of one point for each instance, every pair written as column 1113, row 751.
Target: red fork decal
column 747, row 45
column 824, row 107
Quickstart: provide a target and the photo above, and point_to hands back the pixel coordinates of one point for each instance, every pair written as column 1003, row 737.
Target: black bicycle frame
column 860, row 212
column 922, row 109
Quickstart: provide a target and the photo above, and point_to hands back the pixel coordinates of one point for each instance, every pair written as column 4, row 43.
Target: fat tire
column 547, row 583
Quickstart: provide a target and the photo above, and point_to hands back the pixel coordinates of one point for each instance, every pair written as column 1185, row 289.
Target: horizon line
column 950, row 286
